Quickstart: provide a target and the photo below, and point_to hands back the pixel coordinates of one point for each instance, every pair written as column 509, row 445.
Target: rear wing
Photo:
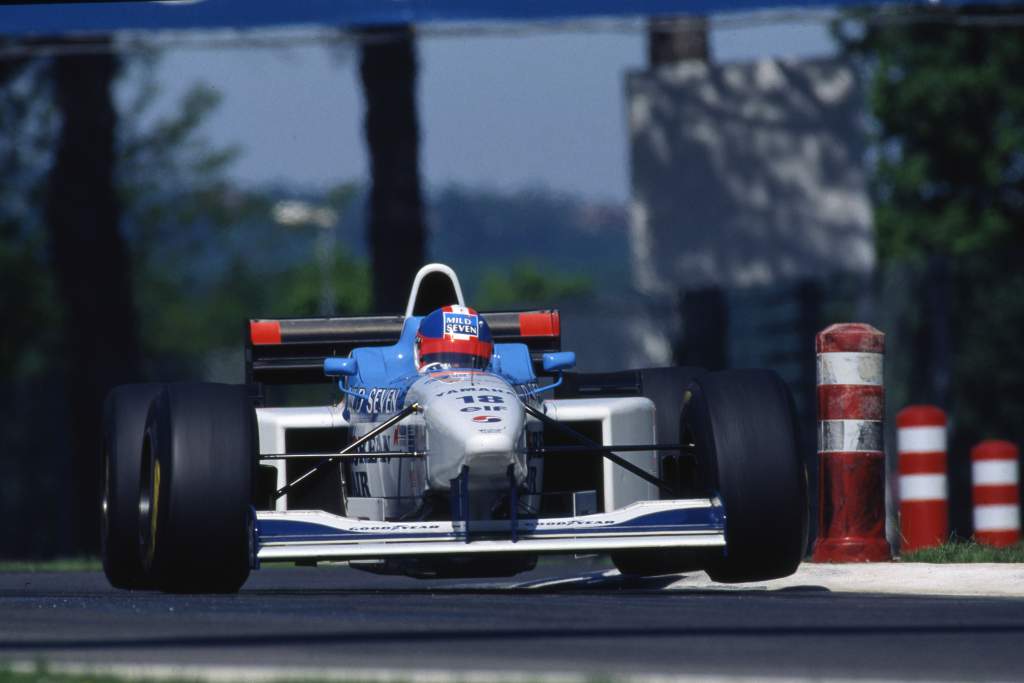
column 292, row 350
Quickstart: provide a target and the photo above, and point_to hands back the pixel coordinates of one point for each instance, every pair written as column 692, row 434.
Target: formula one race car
column 460, row 446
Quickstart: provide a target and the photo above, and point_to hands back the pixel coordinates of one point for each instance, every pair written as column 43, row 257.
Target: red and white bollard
column 851, row 481
column 923, row 491
column 995, row 473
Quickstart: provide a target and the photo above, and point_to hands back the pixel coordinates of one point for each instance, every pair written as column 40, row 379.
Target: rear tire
column 124, row 422
column 744, row 427
column 198, row 471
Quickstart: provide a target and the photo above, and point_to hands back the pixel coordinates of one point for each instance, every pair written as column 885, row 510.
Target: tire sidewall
column 125, row 412
column 744, row 426
column 204, row 446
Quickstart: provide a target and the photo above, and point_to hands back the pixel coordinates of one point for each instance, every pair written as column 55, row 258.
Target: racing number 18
column 486, row 398
column 490, row 403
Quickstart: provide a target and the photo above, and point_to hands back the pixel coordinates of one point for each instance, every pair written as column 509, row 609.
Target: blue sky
column 540, row 110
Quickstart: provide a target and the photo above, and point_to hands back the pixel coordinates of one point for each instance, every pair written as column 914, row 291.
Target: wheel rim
column 105, row 503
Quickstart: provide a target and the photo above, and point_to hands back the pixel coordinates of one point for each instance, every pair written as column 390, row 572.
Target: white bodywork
column 427, row 270
column 273, row 422
column 627, row 420
column 623, row 421
column 473, row 419
column 607, row 531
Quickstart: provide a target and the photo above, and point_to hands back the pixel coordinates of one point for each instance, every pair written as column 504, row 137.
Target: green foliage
column 46, row 674
column 207, row 254
column 526, row 285
column 948, row 101
column 301, row 289
column 988, row 363
column 966, row 551
column 474, row 230
column 192, row 316
column 66, row 564
column 26, row 288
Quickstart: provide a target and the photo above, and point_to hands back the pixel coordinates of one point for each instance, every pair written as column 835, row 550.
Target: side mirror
column 340, row 367
column 562, row 360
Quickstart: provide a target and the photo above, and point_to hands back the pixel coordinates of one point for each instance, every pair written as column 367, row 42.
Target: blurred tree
column 198, row 287
column 136, row 209
column 31, row 451
column 208, row 254
column 91, row 264
column 26, row 293
column 948, row 189
column 526, row 285
column 397, row 230
column 333, row 283
column 949, row 105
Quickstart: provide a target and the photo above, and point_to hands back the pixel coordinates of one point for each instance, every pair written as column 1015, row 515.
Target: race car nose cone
column 488, row 457
column 475, row 421
column 481, row 445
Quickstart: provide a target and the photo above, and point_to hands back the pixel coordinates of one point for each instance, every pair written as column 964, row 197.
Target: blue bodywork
column 384, row 373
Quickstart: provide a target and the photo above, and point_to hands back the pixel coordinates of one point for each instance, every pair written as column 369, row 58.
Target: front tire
column 124, row 423
column 744, row 427
column 198, row 470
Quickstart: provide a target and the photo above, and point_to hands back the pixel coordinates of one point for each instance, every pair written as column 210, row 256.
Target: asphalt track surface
column 338, row 618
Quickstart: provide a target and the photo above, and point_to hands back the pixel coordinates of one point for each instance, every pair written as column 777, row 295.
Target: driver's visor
column 455, row 360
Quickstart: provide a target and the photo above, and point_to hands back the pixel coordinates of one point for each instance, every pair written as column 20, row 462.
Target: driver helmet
column 453, row 337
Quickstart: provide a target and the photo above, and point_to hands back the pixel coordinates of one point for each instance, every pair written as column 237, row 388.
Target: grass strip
column 48, row 677
column 41, row 674
column 58, row 564
column 65, row 564
column 966, row 552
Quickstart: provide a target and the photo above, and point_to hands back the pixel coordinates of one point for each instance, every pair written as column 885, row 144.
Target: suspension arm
column 604, row 450
column 348, row 450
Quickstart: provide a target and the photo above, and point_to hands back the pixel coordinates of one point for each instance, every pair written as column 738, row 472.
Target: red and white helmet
column 454, row 337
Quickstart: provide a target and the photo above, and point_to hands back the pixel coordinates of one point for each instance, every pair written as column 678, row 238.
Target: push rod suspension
column 604, row 450
column 347, row 450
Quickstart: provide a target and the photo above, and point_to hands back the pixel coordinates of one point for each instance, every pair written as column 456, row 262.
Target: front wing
column 297, row 535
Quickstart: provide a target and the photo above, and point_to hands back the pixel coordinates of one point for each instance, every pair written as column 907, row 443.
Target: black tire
column 745, row 430
column 660, row 562
column 666, row 388
column 198, row 472
column 124, row 422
